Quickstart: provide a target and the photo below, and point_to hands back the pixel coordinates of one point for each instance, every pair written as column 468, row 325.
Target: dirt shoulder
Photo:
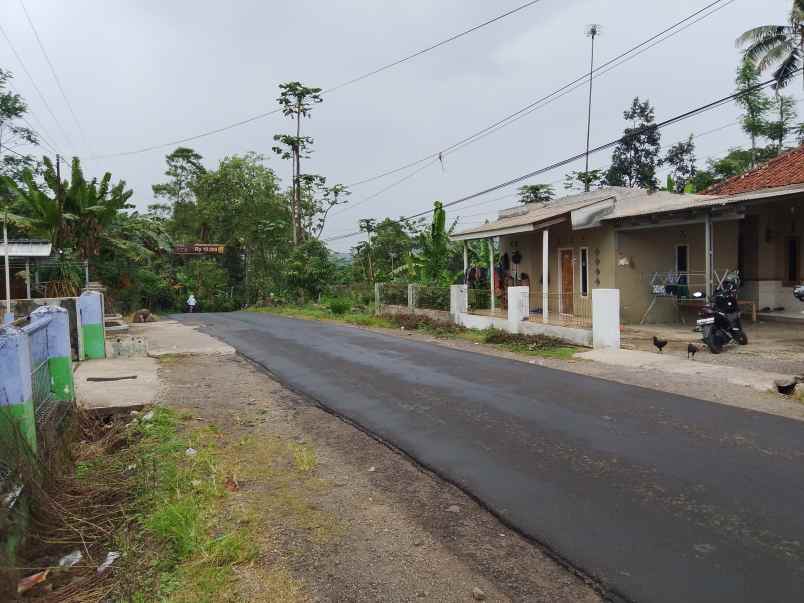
column 344, row 516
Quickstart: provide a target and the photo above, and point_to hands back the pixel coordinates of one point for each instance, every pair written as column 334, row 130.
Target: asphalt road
column 658, row 496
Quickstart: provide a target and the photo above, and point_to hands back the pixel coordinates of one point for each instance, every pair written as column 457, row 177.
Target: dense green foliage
column 634, row 160
column 271, row 230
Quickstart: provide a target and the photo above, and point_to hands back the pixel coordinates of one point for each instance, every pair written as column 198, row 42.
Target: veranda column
column 28, row 278
column 491, row 272
column 708, row 244
column 545, row 274
column 465, row 261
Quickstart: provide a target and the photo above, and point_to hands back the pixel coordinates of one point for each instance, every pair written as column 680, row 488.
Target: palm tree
column 782, row 45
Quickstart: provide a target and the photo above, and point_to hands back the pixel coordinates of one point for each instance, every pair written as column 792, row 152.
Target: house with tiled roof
column 657, row 248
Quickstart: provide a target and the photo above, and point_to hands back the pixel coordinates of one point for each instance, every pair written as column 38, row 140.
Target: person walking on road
column 191, row 303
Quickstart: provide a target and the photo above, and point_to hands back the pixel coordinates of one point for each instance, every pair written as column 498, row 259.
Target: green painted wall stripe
column 94, row 342
column 22, row 415
column 61, row 375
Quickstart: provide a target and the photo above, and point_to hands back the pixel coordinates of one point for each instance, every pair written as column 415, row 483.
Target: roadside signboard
column 199, row 249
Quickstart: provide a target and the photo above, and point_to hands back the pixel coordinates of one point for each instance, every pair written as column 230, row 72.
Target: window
column 791, row 257
column 682, row 262
column 584, row 272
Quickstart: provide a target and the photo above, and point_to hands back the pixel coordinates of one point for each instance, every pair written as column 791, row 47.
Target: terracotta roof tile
column 784, row 170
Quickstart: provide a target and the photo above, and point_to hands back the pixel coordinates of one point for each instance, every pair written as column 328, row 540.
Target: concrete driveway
column 659, row 497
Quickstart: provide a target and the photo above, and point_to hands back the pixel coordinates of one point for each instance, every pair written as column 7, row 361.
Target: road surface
column 660, row 497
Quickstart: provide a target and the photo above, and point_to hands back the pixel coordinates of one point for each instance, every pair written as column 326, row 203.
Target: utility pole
column 59, row 200
column 8, row 315
column 592, row 31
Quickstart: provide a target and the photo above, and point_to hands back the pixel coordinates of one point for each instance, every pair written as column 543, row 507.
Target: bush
column 434, row 298
column 532, row 342
column 394, row 294
column 339, row 306
column 417, row 322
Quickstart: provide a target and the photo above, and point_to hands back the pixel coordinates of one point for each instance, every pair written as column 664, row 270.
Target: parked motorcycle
column 720, row 319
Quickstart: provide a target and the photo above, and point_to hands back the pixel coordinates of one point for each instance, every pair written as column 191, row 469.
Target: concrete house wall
column 640, row 253
column 625, row 259
column 599, row 242
column 772, row 226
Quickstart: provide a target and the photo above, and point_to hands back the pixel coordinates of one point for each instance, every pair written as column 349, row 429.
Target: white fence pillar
column 606, row 319
column 518, row 307
column 458, row 300
column 545, row 275
column 412, row 297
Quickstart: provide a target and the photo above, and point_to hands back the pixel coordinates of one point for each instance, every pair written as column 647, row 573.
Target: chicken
column 692, row 349
column 659, row 343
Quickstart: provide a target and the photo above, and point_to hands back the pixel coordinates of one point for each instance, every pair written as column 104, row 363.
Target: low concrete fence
column 85, row 319
column 598, row 328
column 604, row 331
column 36, row 374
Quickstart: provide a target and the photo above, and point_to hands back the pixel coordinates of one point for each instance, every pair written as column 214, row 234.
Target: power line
column 434, row 46
column 40, row 131
column 577, row 82
column 334, row 88
column 55, row 75
column 556, row 95
column 8, row 148
column 384, row 190
column 33, row 83
column 560, row 93
column 603, row 147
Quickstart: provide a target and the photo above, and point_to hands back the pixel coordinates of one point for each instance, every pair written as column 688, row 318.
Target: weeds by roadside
column 153, row 491
column 342, row 311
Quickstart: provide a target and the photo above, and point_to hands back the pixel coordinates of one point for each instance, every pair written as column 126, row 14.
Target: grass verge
column 158, row 493
column 528, row 345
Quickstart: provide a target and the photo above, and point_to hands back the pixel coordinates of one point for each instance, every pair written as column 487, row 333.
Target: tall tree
column 184, row 168
column 239, row 204
column 583, row 181
column 368, row 225
column 536, row 193
column 296, row 101
column 780, row 46
column 391, row 246
column 433, row 254
column 784, row 124
column 317, row 199
column 754, row 103
column 634, row 160
column 681, row 159
column 14, row 135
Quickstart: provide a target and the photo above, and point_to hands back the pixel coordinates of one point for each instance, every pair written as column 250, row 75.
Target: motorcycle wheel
column 742, row 338
column 713, row 343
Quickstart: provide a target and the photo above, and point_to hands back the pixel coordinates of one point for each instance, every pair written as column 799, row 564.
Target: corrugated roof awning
column 527, row 219
column 26, row 249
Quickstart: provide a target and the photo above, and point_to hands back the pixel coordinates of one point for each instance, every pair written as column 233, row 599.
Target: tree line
column 272, row 233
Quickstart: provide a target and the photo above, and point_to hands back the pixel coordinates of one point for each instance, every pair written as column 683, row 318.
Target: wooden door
column 567, row 281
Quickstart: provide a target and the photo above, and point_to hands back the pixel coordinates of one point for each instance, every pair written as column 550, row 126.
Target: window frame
column 583, row 271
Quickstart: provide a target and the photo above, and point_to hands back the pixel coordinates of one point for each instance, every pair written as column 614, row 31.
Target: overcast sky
column 145, row 72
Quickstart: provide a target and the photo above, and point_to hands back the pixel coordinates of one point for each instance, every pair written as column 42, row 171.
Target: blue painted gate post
column 59, row 353
column 91, row 327
column 16, row 391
